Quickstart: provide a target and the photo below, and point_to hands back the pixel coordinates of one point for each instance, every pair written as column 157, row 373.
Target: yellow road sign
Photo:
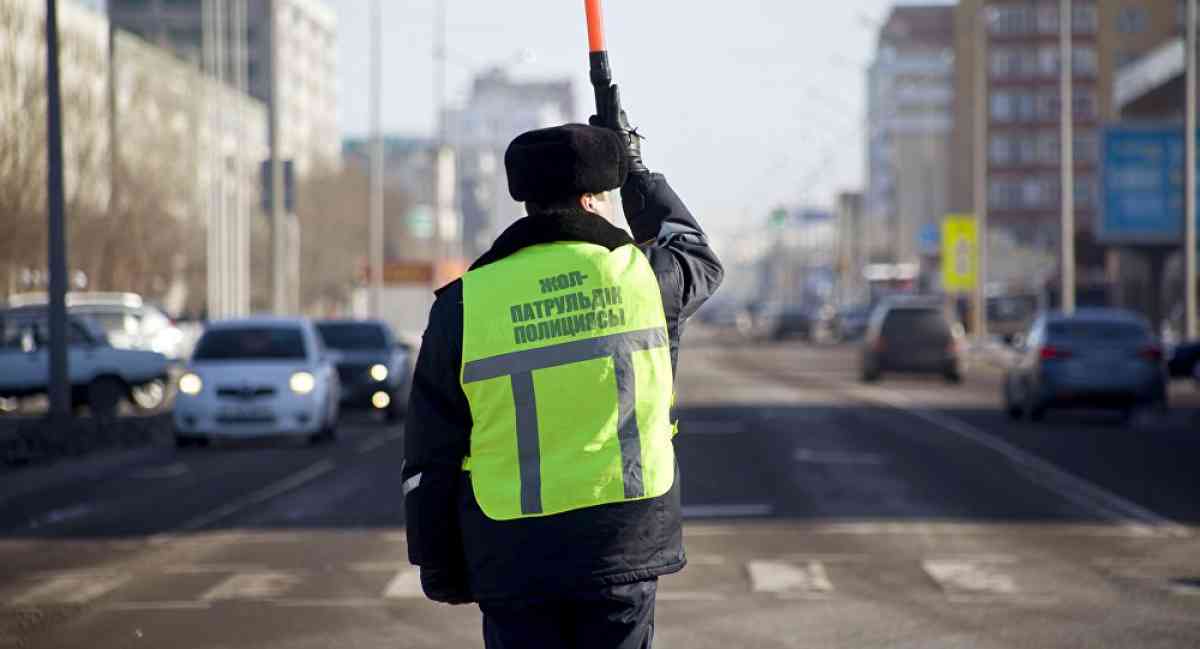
column 960, row 253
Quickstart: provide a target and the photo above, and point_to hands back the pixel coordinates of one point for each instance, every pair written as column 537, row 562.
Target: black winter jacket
column 609, row 544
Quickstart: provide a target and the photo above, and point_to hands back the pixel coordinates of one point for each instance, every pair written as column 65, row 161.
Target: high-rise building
column 910, row 94
column 1023, row 114
column 497, row 110
column 301, row 50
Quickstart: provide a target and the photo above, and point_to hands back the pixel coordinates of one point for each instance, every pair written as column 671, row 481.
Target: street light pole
column 1189, row 239
column 1067, row 135
column 375, row 225
column 60, row 391
column 980, row 171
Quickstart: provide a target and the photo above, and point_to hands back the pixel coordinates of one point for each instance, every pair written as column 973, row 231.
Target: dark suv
column 913, row 334
column 375, row 368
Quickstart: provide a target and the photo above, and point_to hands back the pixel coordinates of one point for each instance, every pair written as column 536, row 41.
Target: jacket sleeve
column 437, row 438
column 687, row 268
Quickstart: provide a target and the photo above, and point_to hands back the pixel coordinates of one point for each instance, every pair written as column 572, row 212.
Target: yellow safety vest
column 567, row 368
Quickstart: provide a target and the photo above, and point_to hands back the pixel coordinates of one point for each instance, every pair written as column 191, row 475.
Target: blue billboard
column 1142, row 185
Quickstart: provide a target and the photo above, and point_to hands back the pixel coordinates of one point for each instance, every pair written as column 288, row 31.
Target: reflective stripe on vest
column 567, row 368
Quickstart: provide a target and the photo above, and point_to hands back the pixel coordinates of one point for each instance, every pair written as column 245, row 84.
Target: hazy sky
column 745, row 105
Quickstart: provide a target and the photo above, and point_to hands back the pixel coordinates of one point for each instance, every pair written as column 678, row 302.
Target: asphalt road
column 820, row 513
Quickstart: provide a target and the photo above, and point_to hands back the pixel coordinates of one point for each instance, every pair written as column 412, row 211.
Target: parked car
column 374, row 368
column 914, row 335
column 129, row 321
column 1100, row 358
column 101, row 375
column 852, row 321
column 257, row 377
column 1184, row 360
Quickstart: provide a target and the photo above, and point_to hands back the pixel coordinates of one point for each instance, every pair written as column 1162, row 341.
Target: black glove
column 613, row 116
column 445, row 586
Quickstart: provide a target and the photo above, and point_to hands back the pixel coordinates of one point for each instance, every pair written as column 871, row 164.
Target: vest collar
column 576, row 224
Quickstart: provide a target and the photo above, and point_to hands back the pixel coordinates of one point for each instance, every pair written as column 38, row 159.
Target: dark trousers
column 612, row 617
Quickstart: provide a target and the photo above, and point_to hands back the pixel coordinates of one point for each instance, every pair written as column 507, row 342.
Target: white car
column 258, row 377
column 128, row 320
column 101, row 375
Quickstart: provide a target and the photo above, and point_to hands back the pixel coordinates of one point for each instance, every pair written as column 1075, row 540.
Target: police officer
column 540, row 478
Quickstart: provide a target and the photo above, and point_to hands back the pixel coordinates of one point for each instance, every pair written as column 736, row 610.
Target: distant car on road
column 1099, row 358
column 915, row 335
column 374, row 367
column 852, row 320
column 129, row 321
column 258, row 377
column 101, row 375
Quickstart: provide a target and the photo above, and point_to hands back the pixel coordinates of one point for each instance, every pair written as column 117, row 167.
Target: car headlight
column 190, row 384
column 379, row 372
column 302, row 383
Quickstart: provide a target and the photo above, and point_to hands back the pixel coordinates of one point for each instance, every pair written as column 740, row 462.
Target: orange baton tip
column 595, row 21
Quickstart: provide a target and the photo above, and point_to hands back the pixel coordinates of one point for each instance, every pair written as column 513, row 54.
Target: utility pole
column 980, row 167
column 280, row 233
column 1066, row 69
column 375, row 226
column 60, row 391
column 1189, row 239
column 114, row 154
column 439, row 72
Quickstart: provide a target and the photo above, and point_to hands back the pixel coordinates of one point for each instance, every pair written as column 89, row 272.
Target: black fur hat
column 550, row 164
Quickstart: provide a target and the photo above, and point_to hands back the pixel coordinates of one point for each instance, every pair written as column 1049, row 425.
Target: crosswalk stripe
column 253, row 585
column 405, row 585
column 964, row 577
column 70, row 589
column 784, row 578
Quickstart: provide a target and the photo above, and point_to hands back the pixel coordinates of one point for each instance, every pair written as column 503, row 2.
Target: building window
column 1027, row 149
column 1047, row 105
column 1026, row 107
column 1087, row 148
column 1086, row 19
column 1085, row 191
column 1085, row 104
column 1048, row 150
column 1001, row 150
column 1000, row 194
column 1002, row 106
column 1009, row 20
column 1034, row 193
column 1047, row 61
column 1000, row 62
column 1047, row 19
column 1132, row 20
column 1084, row 61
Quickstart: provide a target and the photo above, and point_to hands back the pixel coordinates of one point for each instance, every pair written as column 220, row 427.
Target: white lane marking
column 789, row 579
column 710, row 530
column 967, row 577
column 727, row 511
column 827, row 558
column 253, row 585
column 690, row 596
column 270, row 491
column 161, row 472
column 331, row 602
column 811, row 456
column 396, row 537
column 712, row 427
column 380, row 566
column 405, row 585
column 1067, row 485
column 182, row 605
column 372, row 443
column 70, row 589
column 213, row 568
